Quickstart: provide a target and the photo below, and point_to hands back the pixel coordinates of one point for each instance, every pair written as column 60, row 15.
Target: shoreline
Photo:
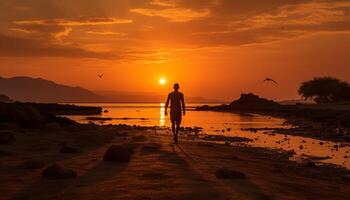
column 154, row 162
column 306, row 122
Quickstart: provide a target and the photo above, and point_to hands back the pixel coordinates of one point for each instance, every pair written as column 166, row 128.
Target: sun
column 162, row 81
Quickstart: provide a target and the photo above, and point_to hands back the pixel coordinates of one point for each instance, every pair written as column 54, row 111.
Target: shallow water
column 228, row 124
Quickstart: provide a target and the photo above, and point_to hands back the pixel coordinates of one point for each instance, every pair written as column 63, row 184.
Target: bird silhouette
column 269, row 79
column 100, row 75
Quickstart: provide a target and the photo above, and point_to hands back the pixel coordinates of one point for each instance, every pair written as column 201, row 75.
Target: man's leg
column 177, row 129
column 173, row 130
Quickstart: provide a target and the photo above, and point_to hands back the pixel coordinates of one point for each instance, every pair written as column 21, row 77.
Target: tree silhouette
column 325, row 90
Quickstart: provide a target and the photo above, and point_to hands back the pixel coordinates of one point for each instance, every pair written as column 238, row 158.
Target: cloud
column 165, row 3
column 308, row 14
column 59, row 36
column 57, row 29
column 84, row 21
column 22, row 47
column 173, row 14
column 107, row 33
column 205, row 23
column 286, row 21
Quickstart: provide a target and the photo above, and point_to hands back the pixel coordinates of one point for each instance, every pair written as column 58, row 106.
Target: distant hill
column 39, row 90
column 28, row 89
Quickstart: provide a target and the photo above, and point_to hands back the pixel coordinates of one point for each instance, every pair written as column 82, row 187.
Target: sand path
column 161, row 170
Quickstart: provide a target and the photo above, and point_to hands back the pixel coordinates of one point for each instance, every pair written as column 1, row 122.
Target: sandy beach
column 157, row 169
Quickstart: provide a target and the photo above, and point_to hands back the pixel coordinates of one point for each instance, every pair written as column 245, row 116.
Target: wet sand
column 159, row 169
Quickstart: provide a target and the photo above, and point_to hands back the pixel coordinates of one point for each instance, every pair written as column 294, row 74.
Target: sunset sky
column 213, row 48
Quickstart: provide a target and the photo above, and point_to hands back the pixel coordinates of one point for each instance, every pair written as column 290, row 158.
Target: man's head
column 176, row 86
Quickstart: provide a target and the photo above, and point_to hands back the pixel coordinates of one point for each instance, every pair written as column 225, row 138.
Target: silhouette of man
column 177, row 108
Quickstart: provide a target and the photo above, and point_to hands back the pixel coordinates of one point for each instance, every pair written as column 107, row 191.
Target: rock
column 69, row 149
column 4, row 153
column 346, row 178
column 56, row 171
column 301, row 147
column 117, row 153
column 9, row 126
column 7, row 137
column 253, row 102
column 224, row 173
column 51, row 126
column 31, row 164
column 306, row 163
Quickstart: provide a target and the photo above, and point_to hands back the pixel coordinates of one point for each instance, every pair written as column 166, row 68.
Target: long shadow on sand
column 242, row 188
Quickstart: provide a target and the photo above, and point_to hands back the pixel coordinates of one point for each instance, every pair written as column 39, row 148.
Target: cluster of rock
column 115, row 153
column 253, row 102
column 247, row 102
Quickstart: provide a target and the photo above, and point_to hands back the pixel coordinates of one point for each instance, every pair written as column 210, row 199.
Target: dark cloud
column 21, row 47
column 179, row 23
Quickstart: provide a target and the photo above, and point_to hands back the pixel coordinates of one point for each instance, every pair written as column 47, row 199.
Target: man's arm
column 167, row 105
column 183, row 105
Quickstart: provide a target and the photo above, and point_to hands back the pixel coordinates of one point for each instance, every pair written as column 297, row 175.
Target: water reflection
column 228, row 124
column 162, row 114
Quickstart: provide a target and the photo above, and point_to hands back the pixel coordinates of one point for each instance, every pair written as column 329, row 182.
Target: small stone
column 56, row 171
column 7, row 137
column 117, row 153
column 346, row 178
column 4, row 153
column 224, row 173
column 69, row 149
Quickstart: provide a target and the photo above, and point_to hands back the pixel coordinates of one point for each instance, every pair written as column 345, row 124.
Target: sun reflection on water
column 162, row 114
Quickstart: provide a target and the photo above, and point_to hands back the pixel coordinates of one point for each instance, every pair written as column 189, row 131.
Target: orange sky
column 214, row 48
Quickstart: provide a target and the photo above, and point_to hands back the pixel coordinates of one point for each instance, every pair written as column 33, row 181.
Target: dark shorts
column 176, row 117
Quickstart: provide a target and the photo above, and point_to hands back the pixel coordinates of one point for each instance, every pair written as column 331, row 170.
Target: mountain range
column 28, row 89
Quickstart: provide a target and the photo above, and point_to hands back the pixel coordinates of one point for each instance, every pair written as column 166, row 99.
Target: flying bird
column 269, row 79
column 100, row 75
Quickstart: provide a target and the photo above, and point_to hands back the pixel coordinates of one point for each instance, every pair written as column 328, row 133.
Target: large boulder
column 7, row 137
column 56, row 171
column 253, row 102
column 117, row 153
